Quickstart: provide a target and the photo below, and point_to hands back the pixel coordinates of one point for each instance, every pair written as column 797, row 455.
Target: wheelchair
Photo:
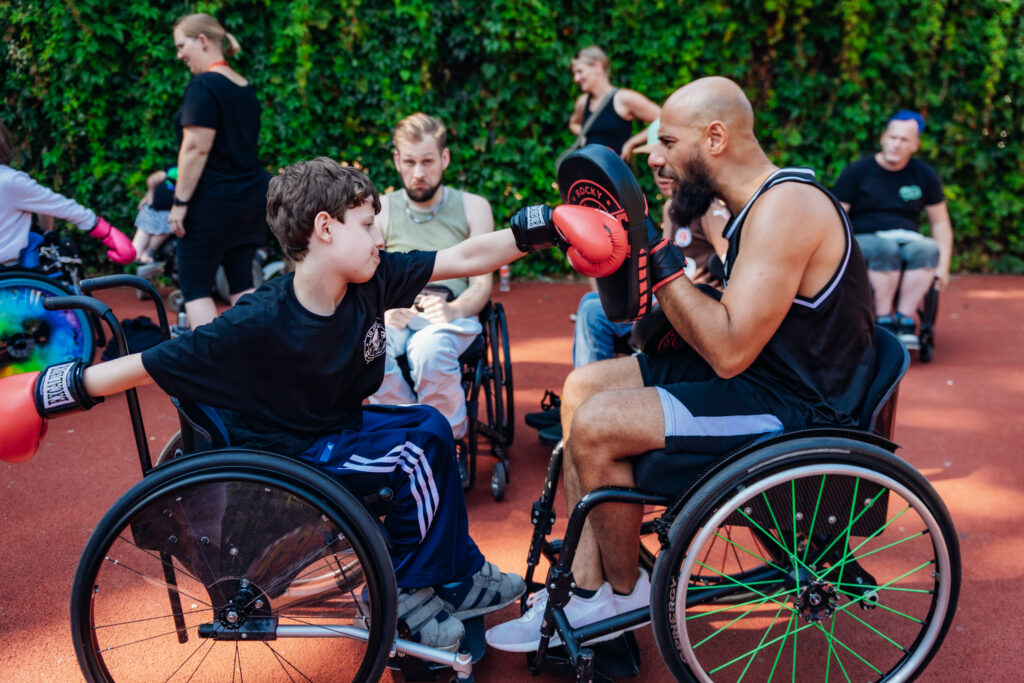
column 32, row 337
column 799, row 556
column 486, row 375
column 927, row 314
column 226, row 564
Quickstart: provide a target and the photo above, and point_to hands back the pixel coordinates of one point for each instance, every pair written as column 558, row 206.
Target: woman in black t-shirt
column 219, row 209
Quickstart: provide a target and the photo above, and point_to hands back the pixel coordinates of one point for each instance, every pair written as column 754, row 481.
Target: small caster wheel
column 499, row 480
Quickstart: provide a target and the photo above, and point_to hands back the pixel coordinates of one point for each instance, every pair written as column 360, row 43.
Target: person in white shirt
column 21, row 196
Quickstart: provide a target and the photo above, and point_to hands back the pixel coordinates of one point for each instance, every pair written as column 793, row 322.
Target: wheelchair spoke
column 855, row 588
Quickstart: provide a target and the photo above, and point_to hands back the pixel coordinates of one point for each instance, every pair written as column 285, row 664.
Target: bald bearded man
column 789, row 344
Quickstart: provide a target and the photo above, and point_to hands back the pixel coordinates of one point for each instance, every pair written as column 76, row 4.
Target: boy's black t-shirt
column 886, row 200
column 233, row 167
column 281, row 376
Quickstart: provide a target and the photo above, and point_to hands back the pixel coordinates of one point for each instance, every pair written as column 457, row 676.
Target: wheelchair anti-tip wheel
column 823, row 559
column 32, row 338
column 234, row 565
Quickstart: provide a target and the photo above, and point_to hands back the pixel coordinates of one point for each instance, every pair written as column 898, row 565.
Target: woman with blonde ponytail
column 219, row 206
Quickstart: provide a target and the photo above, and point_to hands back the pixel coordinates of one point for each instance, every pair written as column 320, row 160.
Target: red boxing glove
column 121, row 249
column 598, row 243
column 666, row 263
column 22, row 428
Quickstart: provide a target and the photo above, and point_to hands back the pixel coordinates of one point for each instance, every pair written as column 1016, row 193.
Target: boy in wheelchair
column 287, row 370
column 789, row 344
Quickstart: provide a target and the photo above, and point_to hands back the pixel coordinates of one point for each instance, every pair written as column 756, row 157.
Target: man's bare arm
column 785, row 247
column 942, row 233
column 481, row 222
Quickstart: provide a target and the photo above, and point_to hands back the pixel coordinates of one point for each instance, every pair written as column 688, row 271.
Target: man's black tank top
column 610, row 129
column 823, row 354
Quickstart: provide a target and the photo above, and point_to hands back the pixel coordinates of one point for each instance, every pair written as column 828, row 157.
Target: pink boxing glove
column 121, row 249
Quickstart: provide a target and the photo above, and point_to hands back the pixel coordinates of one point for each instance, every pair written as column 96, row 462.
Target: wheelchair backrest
column 201, row 427
column 878, row 412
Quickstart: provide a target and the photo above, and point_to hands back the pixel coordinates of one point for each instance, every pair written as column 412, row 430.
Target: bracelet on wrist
column 178, row 201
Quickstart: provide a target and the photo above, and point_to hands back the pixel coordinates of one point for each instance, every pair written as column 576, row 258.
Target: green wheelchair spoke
column 853, row 521
column 814, row 517
column 767, row 632
column 748, row 551
column 874, row 630
column 832, row 639
column 738, row 618
column 757, row 602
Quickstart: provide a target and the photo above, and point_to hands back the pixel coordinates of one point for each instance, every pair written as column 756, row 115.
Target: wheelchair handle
column 102, row 310
column 135, row 282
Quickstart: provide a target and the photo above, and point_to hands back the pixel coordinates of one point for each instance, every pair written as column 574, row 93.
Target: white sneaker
column 639, row 597
column 523, row 634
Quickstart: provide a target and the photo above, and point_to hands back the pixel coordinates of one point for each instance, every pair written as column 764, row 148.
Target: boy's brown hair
column 303, row 190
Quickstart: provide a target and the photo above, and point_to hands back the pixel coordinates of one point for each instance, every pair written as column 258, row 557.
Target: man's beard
column 694, row 194
column 424, row 195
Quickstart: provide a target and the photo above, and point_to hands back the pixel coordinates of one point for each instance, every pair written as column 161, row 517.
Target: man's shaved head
column 706, row 135
column 711, row 99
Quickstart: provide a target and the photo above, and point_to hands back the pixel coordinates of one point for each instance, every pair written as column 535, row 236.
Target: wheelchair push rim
column 216, row 567
column 769, row 598
column 32, row 338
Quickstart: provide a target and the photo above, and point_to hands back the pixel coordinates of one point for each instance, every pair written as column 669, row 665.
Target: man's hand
column 436, row 309
column 398, row 318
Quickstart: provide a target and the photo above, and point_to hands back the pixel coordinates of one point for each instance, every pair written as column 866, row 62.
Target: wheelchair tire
column 780, row 547
column 234, row 564
column 501, row 409
column 31, row 337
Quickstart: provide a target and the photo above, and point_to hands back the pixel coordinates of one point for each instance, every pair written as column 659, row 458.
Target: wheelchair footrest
column 413, row 669
column 617, row 658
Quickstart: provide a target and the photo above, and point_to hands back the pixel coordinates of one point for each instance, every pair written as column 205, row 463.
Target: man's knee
column 920, row 255
column 880, row 254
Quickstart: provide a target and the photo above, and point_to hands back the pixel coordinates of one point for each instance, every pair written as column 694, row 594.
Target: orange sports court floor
column 960, row 421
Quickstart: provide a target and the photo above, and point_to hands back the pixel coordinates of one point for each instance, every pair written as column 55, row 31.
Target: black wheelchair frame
column 232, row 563
column 486, row 377
column 29, row 336
column 772, row 540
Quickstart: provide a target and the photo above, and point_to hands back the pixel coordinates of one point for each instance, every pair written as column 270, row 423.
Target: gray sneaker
column 486, row 591
column 428, row 620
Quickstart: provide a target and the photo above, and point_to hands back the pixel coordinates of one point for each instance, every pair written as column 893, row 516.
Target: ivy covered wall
column 89, row 88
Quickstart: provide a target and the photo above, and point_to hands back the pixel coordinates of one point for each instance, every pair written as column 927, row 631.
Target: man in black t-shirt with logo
column 884, row 195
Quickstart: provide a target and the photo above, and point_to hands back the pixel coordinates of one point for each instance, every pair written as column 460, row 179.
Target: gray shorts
column 883, row 254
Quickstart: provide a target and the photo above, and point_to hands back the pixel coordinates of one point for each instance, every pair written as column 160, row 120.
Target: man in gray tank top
column 428, row 215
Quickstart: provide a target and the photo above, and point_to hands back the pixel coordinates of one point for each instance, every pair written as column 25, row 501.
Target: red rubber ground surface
column 959, row 421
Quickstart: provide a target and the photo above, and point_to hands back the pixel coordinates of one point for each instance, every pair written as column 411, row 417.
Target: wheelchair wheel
column 812, row 559
column 31, row 338
column 171, row 450
column 233, row 565
column 928, row 314
column 498, row 391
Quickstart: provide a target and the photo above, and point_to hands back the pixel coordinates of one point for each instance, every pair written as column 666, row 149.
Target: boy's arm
column 481, row 222
column 478, row 255
column 115, row 376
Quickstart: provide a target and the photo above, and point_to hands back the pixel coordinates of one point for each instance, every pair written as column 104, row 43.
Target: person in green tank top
column 428, row 215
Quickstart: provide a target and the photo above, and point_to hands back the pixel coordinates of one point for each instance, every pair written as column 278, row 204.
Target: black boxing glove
column 60, row 389
column 666, row 263
column 534, row 228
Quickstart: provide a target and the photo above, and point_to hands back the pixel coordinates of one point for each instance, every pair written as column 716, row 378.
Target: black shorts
column 221, row 232
column 706, row 416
